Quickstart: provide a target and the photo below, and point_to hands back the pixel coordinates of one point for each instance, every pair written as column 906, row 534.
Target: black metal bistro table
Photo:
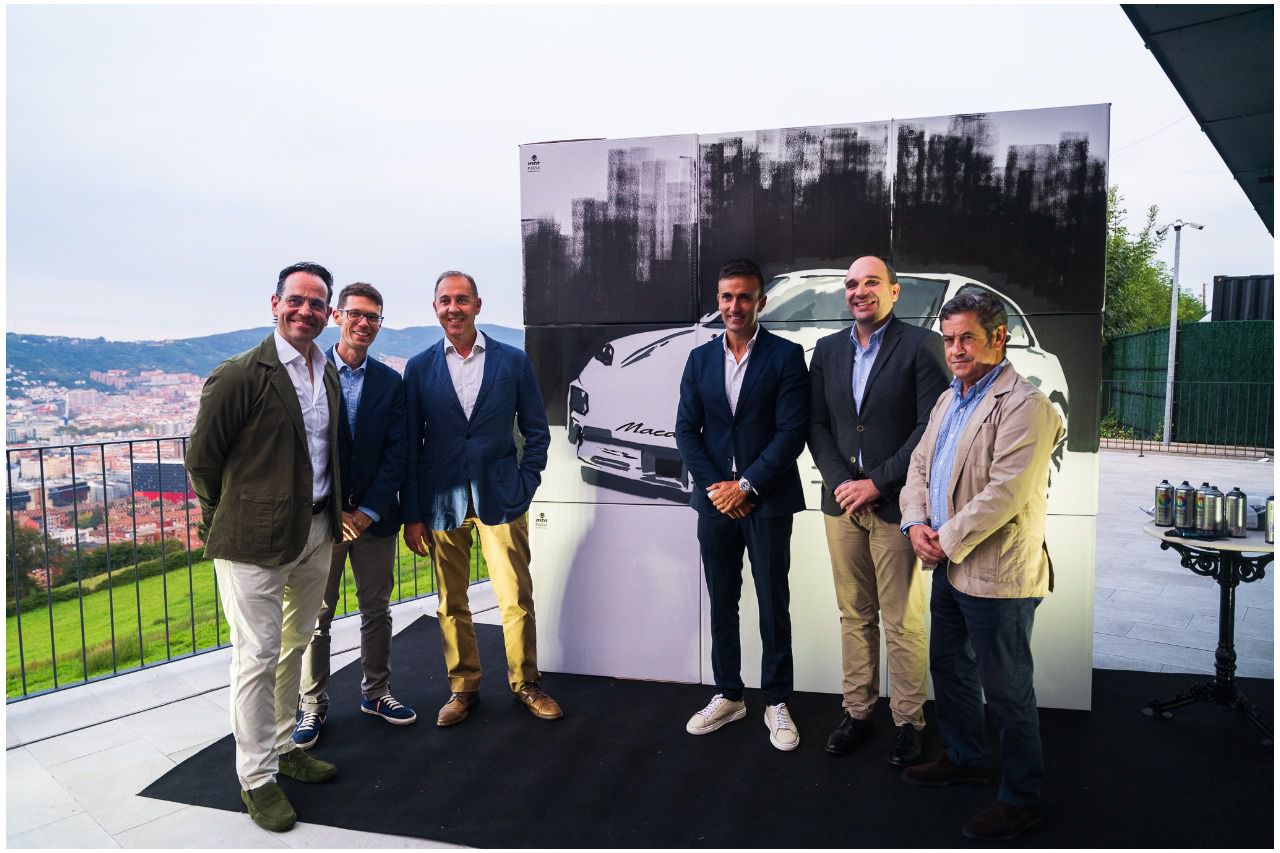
column 1226, row 562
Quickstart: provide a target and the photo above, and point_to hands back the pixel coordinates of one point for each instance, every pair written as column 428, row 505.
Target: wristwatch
column 744, row 486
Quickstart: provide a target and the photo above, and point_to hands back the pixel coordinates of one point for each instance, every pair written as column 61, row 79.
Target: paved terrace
column 75, row 759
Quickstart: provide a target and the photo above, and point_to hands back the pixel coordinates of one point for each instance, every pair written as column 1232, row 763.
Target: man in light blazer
column 974, row 506
column 463, row 396
column 263, row 460
column 741, row 423
column 371, row 452
column 872, row 387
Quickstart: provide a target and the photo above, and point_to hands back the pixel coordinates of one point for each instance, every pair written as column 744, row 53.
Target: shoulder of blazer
column 265, row 353
column 380, row 372
column 767, row 340
column 709, row 349
column 835, row 339
column 425, row 357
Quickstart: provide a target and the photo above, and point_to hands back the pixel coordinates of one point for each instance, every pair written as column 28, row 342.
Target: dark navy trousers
column 767, row 542
column 983, row 645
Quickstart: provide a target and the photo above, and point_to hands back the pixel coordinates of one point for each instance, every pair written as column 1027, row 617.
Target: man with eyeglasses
column 263, row 459
column 371, row 450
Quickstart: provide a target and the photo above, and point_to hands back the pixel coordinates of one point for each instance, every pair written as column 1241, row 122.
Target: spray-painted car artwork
column 622, row 406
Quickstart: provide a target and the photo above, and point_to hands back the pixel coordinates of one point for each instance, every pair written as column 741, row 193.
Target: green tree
column 1138, row 286
column 26, row 554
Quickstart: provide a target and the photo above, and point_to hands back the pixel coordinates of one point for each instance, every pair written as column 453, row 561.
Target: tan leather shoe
column 540, row 704
column 457, row 708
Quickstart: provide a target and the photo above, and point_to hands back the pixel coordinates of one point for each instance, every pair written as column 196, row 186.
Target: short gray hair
column 475, row 291
column 989, row 310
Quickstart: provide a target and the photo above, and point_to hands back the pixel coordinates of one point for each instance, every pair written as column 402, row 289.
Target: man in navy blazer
column 873, row 387
column 742, row 421
column 464, row 394
column 371, row 457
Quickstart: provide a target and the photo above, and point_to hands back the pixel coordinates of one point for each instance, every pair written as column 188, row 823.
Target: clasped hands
column 726, row 497
column 926, row 544
column 354, row 524
column 857, row 496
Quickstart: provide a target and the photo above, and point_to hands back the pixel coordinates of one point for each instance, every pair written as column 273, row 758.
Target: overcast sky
column 165, row 162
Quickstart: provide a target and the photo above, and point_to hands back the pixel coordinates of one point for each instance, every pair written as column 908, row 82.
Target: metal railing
column 1209, row 418
column 106, row 572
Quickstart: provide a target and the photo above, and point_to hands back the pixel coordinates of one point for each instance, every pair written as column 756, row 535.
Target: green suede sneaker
column 301, row 765
column 269, row 807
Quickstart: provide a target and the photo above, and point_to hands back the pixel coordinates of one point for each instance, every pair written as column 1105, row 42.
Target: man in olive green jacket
column 263, row 459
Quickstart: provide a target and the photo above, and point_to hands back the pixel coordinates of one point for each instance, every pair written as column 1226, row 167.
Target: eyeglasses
column 356, row 316
column 315, row 304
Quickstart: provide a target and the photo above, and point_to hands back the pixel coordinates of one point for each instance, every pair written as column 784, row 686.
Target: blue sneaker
column 389, row 709
column 307, row 731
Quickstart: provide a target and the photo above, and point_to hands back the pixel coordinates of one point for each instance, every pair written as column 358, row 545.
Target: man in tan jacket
column 974, row 508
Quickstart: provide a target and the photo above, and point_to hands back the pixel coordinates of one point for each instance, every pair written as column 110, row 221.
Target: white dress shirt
column 466, row 373
column 315, row 410
column 734, row 372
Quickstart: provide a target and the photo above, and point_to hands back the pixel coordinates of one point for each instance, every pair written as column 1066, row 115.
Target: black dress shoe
column 906, row 746
column 849, row 735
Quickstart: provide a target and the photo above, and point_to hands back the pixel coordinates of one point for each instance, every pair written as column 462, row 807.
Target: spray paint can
column 1237, row 511
column 1201, row 520
column 1269, row 532
column 1164, row 504
column 1184, row 506
column 1215, row 516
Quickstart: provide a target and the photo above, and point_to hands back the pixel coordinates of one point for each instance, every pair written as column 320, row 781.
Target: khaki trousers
column 271, row 611
column 877, row 575
column 506, row 550
column 373, row 561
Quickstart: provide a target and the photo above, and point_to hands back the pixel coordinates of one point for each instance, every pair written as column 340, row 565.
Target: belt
column 320, row 506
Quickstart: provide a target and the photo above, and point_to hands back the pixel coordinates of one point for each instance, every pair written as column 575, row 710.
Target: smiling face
column 869, row 293
column 971, row 352
column 357, row 335
column 456, row 306
column 740, row 299
column 301, row 310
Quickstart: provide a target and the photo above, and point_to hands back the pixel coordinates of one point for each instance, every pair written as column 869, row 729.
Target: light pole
column 1177, row 226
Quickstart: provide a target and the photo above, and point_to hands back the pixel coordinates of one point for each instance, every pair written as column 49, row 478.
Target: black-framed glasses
column 314, row 303
column 356, row 316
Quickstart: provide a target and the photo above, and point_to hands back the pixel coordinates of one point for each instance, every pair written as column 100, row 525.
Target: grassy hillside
column 162, row 617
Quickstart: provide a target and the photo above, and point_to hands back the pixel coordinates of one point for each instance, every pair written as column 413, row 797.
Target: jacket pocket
column 262, row 522
column 1000, row 564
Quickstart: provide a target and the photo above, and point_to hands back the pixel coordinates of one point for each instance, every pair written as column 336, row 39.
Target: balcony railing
column 1209, row 418
column 106, row 570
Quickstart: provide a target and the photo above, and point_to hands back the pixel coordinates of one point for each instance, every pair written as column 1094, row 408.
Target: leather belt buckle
column 319, row 506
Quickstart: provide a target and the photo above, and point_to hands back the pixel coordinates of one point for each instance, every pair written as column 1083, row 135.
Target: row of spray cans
column 1207, row 510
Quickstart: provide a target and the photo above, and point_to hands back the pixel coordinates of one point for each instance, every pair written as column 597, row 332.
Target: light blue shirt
column 351, row 381
column 864, row 358
column 944, row 453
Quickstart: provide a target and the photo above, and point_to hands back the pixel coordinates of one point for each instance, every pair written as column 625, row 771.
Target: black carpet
column 620, row 771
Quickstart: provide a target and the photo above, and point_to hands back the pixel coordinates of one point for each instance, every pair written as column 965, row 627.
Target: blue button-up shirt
column 944, row 453
column 864, row 358
column 351, row 380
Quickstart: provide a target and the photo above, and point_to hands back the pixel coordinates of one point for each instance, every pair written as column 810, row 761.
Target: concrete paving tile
column 78, row 832
column 130, row 767
column 1130, row 581
column 33, row 798
column 183, row 754
column 1245, row 646
column 1170, row 603
column 1102, row 661
column 1206, row 595
column 1132, row 647
column 1260, row 616
column 1101, row 593
column 1255, row 668
column 1152, row 614
column 198, row 827
column 1173, row 667
column 180, row 725
column 1201, row 622
column 1109, row 625
column 77, row 744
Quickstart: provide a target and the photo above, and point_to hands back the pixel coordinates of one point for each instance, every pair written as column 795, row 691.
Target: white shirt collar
column 478, row 346
column 286, row 352
column 724, row 339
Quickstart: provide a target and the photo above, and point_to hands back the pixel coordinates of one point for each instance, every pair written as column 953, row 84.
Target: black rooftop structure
column 1221, row 60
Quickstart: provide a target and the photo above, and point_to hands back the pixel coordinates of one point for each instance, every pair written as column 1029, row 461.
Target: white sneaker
column 782, row 732
column 718, row 712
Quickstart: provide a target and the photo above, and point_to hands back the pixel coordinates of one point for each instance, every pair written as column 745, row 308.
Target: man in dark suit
column 744, row 403
column 465, row 477
column 263, row 459
column 873, row 386
column 371, row 452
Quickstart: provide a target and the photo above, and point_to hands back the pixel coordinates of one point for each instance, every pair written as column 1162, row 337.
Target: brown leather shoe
column 457, row 708
column 942, row 771
column 1002, row 821
column 540, row 704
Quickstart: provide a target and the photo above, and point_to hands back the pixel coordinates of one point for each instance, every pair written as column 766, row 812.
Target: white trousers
column 272, row 611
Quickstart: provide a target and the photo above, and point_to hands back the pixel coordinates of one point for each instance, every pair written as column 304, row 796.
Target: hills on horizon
column 68, row 360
